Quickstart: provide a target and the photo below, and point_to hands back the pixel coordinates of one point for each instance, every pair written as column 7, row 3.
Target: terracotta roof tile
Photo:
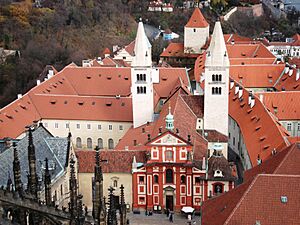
column 249, row 119
column 288, row 82
column 117, row 161
column 215, row 136
column 197, row 20
column 130, row 48
column 177, row 50
column 284, row 105
column 256, row 76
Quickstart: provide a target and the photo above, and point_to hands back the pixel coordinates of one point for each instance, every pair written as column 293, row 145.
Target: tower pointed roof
column 217, row 53
column 197, row 20
column 142, row 48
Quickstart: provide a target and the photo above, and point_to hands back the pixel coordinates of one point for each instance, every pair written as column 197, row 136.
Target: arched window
column 155, row 178
column 182, row 179
column 218, row 188
column 89, row 143
column 219, row 90
column 169, row 176
column 115, row 183
column 220, row 77
column 144, row 90
column 144, row 77
column 138, row 90
column 100, row 143
column 137, row 77
column 213, row 77
column 78, row 143
column 213, row 90
column 110, row 143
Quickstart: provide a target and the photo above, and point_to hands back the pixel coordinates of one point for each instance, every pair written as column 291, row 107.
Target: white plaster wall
column 195, row 38
column 142, row 104
column 124, row 55
column 294, row 128
column 216, row 106
column 83, row 132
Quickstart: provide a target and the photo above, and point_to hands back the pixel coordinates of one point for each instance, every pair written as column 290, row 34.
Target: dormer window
column 218, row 173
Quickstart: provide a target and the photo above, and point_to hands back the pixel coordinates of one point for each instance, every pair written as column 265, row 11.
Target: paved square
column 158, row 219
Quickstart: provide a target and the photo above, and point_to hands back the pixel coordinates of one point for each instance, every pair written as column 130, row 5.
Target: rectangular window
column 155, row 199
column 120, row 127
column 110, row 127
column 78, row 126
column 88, row 126
column 67, row 125
column 56, row 125
column 141, row 180
column 182, row 200
column 141, row 200
column 233, row 140
column 197, row 180
column 169, row 155
column 289, row 126
column 99, row 127
column 298, row 127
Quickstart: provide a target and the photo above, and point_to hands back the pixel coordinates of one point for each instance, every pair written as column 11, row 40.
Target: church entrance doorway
column 169, row 202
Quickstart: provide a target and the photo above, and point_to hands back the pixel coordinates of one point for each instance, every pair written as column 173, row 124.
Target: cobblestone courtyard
column 158, row 219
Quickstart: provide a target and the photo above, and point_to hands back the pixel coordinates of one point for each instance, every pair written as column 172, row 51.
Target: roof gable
column 168, row 138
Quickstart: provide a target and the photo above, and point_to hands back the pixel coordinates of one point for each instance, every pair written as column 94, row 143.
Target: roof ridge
column 285, row 157
column 241, row 199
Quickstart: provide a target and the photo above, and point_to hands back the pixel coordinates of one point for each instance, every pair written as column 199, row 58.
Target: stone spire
column 98, row 203
column 170, row 120
column 73, row 190
column 9, row 184
column 47, row 183
column 142, row 49
column 33, row 178
column 112, row 216
column 217, row 53
column 17, row 172
column 122, row 206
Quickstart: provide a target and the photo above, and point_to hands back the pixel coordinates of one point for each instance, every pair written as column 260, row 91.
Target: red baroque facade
column 170, row 179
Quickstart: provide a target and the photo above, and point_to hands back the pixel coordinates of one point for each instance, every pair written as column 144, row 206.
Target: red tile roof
column 184, row 119
column 199, row 67
column 106, row 51
column 215, row 136
column 262, row 201
column 256, row 76
column 284, row 105
column 288, row 82
column 177, row 50
column 130, row 48
column 84, row 90
column 237, row 39
column 257, row 50
column 224, row 208
column 117, row 161
column 197, row 20
column 261, row 131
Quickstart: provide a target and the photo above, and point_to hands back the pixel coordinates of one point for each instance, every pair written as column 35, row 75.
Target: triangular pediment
column 169, row 138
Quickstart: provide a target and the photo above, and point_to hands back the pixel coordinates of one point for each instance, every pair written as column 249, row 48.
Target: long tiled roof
column 197, row 20
column 261, row 131
column 89, row 93
column 288, row 81
column 177, row 50
column 256, row 76
column 46, row 146
column 117, row 161
column 284, row 105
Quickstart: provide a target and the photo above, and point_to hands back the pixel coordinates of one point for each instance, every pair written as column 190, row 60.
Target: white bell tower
column 141, row 79
column 216, row 83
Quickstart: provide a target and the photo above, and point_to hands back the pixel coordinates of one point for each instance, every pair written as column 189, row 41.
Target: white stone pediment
column 168, row 139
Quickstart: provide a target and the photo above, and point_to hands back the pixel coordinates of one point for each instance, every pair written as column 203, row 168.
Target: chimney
column 240, row 92
column 189, row 138
column 232, row 41
column 249, row 98
column 38, row 82
column 134, row 143
column 143, row 130
column 177, row 131
column 286, row 68
column 252, row 101
column 159, row 130
column 149, row 137
column 297, row 74
column 231, row 84
column 236, row 90
column 50, row 73
column 19, row 96
column 291, row 71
